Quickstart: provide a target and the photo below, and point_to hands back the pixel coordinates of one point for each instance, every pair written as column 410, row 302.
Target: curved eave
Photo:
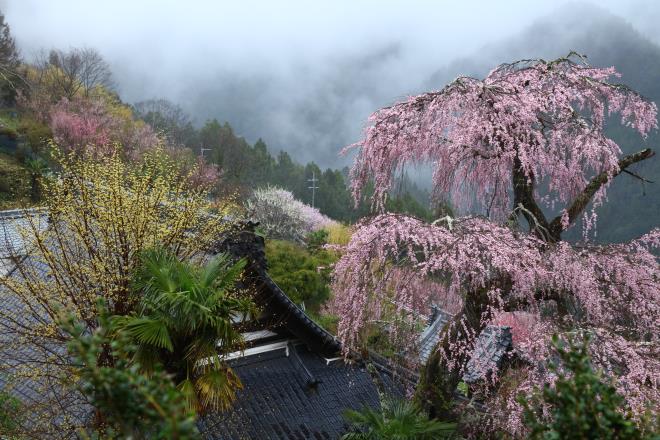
column 272, row 297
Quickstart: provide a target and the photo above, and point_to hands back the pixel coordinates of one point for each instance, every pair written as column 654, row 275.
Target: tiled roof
column 13, row 225
column 279, row 401
column 489, row 351
column 24, row 374
column 431, row 335
column 490, row 347
column 18, row 360
column 271, row 298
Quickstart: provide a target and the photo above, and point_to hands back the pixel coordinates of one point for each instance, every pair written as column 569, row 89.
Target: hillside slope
column 14, row 183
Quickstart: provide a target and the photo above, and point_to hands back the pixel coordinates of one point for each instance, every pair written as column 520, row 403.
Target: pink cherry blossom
column 89, row 125
column 546, row 117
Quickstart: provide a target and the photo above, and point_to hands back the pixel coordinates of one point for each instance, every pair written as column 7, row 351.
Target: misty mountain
column 311, row 112
column 606, row 39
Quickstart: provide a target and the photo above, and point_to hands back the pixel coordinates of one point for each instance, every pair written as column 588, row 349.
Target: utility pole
column 202, row 150
column 313, row 181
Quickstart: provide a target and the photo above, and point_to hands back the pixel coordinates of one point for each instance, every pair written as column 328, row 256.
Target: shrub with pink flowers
column 95, row 125
column 82, row 124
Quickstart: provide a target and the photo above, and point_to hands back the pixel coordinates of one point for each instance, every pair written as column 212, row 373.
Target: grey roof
column 19, row 361
column 270, row 296
column 279, row 401
column 431, row 335
column 300, row 396
column 489, row 353
column 54, row 410
column 490, row 348
column 13, row 225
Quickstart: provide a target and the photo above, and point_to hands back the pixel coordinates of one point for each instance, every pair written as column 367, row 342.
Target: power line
column 313, row 181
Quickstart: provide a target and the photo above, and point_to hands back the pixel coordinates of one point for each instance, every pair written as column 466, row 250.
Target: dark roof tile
column 490, row 347
column 276, row 401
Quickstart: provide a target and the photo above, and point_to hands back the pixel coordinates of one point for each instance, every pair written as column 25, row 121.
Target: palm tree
column 398, row 420
column 186, row 314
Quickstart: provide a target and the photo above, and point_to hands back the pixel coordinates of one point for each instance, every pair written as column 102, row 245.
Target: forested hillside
column 607, row 40
column 245, row 166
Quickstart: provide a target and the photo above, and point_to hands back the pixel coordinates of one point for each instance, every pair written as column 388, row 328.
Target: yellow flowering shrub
column 101, row 215
column 338, row 234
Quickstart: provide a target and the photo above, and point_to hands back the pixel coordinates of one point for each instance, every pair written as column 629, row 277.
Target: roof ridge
column 23, row 212
column 328, row 338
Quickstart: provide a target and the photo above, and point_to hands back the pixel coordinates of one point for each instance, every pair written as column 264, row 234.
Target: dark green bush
column 397, row 420
column 303, row 275
column 10, row 414
column 327, row 321
column 129, row 403
column 316, row 240
column 584, row 405
column 35, row 135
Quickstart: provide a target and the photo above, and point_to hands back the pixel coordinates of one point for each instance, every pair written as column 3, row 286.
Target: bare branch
column 582, row 200
column 637, row 176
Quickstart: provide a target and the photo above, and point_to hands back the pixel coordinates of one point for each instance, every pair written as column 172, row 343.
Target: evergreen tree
column 583, row 404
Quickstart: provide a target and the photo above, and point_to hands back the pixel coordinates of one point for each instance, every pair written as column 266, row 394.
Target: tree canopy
column 527, row 123
column 529, row 135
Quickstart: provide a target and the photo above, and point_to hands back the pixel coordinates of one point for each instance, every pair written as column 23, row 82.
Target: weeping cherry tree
column 525, row 141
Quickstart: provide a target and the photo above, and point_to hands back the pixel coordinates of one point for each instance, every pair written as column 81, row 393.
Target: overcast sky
column 302, row 74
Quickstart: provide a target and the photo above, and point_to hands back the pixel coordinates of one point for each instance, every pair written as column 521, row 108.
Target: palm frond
column 149, row 331
column 180, row 304
column 189, row 393
column 157, row 273
column 202, row 348
column 217, row 387
column 148, row 357
column 188, row 310
column 229, row 274
column 398, row 419
column 367, row 418
column 213, row 269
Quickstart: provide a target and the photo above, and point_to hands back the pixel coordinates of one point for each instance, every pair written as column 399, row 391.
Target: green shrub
column 9, row 117
column 327, row 321
column 10, row 414
column 303, row 275
column 8, row 131
column 35, row 135
column 316, row 240
column 129, row 403
column 583, row 404
column 397, row 420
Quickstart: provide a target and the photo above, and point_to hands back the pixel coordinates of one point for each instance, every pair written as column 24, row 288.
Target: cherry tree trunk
column 439, row 379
